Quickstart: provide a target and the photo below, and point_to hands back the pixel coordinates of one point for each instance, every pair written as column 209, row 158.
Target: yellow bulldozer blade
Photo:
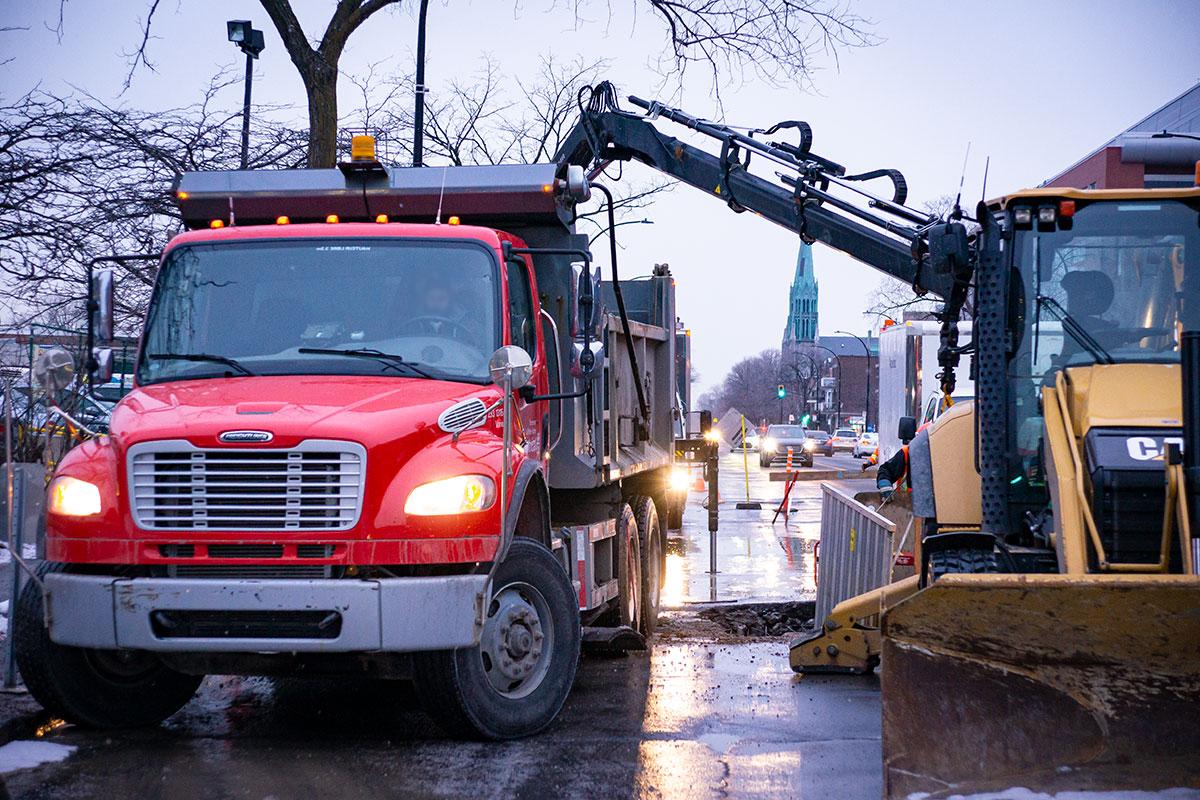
column 1048, row 682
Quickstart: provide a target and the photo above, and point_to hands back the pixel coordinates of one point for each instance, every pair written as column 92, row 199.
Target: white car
column 865, row 444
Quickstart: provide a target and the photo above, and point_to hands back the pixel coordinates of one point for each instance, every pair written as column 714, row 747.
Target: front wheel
column 515, row 681
column 98, row 688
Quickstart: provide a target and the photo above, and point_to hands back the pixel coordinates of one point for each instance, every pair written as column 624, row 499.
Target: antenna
column 962, row 176
column 438, row 219
column 983, row 191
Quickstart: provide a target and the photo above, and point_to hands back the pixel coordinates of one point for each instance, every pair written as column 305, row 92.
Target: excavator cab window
column 1116, row 283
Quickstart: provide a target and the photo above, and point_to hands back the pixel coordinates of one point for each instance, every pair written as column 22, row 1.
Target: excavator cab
column 1056, row 644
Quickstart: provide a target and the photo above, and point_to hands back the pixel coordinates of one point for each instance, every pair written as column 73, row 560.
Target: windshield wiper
column 1072, row 326
column 390, row 359
column 226, row 360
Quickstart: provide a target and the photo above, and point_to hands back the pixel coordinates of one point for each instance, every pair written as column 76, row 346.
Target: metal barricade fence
column 856, row 548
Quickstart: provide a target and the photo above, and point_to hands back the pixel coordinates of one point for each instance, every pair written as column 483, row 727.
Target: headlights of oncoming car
column 72, row 497
column 458, row 495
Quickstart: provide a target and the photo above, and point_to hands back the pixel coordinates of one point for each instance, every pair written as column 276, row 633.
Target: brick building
column 1142, row 156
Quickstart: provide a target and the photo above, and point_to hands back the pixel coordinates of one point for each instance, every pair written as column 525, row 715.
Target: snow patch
column 26, row 754
column 1021, row 793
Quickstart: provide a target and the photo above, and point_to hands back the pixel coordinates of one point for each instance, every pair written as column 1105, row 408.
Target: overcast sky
column 1035, row 85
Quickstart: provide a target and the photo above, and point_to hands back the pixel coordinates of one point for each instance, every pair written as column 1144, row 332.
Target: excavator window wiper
column 1077, row 331
column 215, row 359
column 393, row 360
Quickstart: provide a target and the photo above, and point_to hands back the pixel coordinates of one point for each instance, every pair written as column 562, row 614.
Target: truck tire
column 653, row 554
column 96, row 688
column 629, row 569
column 961, row 561
column 515, row 681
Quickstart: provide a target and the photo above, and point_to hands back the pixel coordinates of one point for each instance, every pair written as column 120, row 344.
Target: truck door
column 523, row 331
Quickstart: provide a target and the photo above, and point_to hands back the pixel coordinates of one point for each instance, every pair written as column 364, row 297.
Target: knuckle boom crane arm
column 933, row 256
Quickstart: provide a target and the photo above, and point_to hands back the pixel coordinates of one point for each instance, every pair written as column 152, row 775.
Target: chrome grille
column 314, row 486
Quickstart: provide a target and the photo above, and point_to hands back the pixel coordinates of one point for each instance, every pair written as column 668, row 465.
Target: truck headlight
column 679, row 479
column 457, row 495
column 72, row 497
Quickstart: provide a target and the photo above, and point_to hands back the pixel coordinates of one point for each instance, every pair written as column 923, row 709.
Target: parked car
column 822, row 443
column 865, row 444
column 779, row 438
column 844, row 439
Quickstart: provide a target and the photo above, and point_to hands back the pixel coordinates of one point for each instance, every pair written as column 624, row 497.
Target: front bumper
column 200, row 615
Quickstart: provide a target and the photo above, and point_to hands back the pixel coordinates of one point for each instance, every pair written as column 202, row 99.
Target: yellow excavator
column 1051, row 636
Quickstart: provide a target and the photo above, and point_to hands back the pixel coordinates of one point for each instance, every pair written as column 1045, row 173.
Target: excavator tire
column 964, row 561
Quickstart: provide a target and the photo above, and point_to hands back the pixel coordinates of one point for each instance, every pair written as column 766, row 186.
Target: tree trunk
column 321, row 85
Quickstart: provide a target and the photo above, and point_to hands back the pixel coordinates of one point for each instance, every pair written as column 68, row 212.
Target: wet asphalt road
column 690, row 719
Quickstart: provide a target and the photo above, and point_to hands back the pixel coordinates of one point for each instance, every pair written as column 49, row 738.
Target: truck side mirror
column 100, row 303
column 586, row 312
column 586, row 363
column 53, row 371
column 907, row 429
column 510, row 363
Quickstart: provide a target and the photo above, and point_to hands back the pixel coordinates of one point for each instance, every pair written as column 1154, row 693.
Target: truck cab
column 364, row 438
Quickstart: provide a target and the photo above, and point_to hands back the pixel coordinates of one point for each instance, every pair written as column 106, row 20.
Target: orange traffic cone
column 698, row 484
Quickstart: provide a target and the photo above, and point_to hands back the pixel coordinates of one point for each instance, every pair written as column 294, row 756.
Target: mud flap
column 1048, row 682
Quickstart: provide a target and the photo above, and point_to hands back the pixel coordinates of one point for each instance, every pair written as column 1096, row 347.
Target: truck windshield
column 434, row 304
column 1118, row 285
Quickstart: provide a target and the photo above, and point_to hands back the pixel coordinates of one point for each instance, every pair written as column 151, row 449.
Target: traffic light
column 781, row 392
column 805, row 420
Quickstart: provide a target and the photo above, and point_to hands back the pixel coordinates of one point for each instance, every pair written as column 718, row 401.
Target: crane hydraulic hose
column 643, row 407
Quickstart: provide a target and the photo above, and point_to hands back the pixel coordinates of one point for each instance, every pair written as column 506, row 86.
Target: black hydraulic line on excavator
column 931, row 255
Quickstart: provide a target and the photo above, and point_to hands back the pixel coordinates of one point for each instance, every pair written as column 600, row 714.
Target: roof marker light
column 332, row 219
column 362, row 148
column 382, row 219
column 282, row 221
column 182, row 195
column 547, row 188
column 217, row 223
column 454, row 221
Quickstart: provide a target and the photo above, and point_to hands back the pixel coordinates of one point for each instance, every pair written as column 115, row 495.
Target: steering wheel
column 420, row 324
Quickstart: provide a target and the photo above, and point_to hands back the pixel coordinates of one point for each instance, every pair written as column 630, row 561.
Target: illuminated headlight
column 770, row 445
column 679, row 479
column 809, row 444
column 72, row 497
column 713, row 435
column 458, row 495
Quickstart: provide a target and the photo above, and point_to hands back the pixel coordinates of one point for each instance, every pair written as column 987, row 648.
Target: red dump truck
column 384, row 423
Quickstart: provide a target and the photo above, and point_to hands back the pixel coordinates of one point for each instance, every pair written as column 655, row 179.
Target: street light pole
column 419, row 109
column 246, row 111
column 251, row 42
column 867, row 350
column 838, row 414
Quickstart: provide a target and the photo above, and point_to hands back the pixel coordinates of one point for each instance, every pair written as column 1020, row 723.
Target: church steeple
column 802, row 301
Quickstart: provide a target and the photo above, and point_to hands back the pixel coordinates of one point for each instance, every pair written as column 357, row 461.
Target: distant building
column 802, row 303
column 1137, row 158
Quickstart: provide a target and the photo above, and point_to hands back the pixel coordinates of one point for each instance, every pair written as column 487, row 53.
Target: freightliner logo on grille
column 241, row 437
